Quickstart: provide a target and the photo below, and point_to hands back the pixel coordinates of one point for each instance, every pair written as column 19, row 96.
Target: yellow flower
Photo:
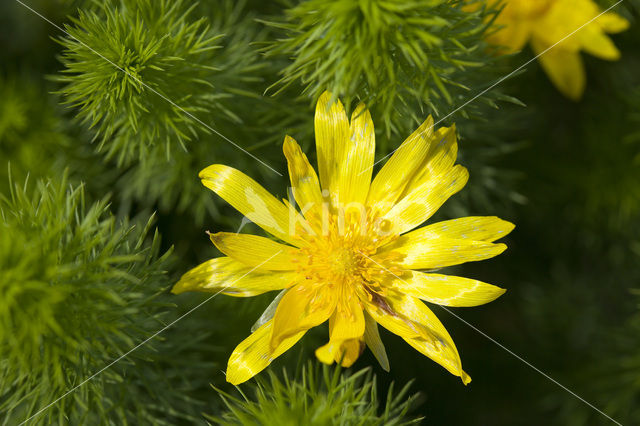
column 544, row 23
column 349, row 253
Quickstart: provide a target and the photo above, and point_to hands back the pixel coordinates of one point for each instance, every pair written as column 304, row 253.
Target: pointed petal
column 439, row 252
column 612, row 22
column 254, row 354
column 301, row 308
column 381, row 310
column 373, row 341
column 417, row 325
column 357, row 165
column 332, row 136
column 595, row 42
column 252, row 200
column 304, row 181
column 478, row 228
column 445, row 358
column 258, row 252
column 447, row 290
column 441, row 157
column 426, row 199
column 232, row 278
column 392, row 179
column 564, row 68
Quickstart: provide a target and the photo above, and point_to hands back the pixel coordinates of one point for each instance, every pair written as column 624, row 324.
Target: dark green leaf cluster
column 404, row 58
column 171, row 182
column 210, row 69
column 140, row 72
column 78, row 290
column 321, row 396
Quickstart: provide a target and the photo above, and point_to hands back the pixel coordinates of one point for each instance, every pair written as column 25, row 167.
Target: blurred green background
column 566, row 173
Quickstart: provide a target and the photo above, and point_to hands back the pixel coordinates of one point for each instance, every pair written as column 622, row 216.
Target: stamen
column 340, row 255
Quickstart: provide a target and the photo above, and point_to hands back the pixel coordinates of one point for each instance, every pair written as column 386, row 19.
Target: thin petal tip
column 208, row 171
column 505, row 227
column 290, row 146
column 323, row 355
column 179, row 287
column 234, row 377
column 466, row 379
column 499, row 292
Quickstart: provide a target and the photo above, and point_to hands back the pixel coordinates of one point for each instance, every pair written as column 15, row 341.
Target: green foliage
column 320, row 397
column 124, row 60
column 408, row 58
column 172, row 182
column 613, row 381
column 209, row 68
column 78, row 289
column 34, row 136
column 484, row 148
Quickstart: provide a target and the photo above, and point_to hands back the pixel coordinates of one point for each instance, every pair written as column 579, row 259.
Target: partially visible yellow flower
column 351, row 254
column 544, row 23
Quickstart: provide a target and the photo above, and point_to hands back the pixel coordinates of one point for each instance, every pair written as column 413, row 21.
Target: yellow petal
column 561, row 24
column 348, row 319
column 304, row 181
column 349, row 352
column 564, row 68
column 478, row 228
column 445, row 358
column 612, row 22
column 598, row 44
column 391, row 180
column 441, row 157
column 426, row 199
column 301, row 308
column 511, row 37
column 439, row 252
column 447, row 290
column 232, row 278
column 373, row 341
column 357, row 164
column 381, row 310
column 513, row 26
column 259, row 252
column 254, row 354
column 252, row 200
column 431, row 339
column 346, row 328
column 332, row 138
column 346, row 352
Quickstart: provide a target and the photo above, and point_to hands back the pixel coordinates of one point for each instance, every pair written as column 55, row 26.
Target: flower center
column 336, row 262
column 344, row 263
column 341, row 255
